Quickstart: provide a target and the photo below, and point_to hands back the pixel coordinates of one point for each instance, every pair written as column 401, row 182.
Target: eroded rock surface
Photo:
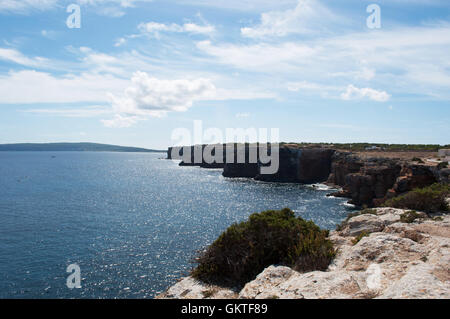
column 371, row 181
column 395, row 260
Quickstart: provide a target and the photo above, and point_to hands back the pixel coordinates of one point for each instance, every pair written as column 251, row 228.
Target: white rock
column 190, row 288
column 263, row 286
column 396, row 260
column 419, row 282
column 367, row 223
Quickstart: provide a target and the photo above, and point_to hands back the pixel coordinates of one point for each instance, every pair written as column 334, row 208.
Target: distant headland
column 73, row 147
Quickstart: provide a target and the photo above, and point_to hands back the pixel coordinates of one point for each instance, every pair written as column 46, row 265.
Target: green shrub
column 271, row 237
column 429, row 199
column 359, row 237
column 209, row 293
column 442, row 165
column 419, row 160
column 409, row 216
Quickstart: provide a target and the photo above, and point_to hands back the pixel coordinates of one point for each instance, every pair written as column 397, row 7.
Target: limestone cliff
column 394, row 260
column 307, row 166
column 371, row 181
column 296, row 165
column 368, row 181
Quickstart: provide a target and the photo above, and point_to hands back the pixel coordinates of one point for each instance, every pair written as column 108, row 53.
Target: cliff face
column 241, row 170
column 371, row 181
column 295, row 165
column 342, row 165
column 242, row 167
column 315, row 165
column 195, row 155
column 365, row 181
column 301, row 166
column 289, row 162
column 394, row 260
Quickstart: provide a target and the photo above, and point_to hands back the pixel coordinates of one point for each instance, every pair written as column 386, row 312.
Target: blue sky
column 137, row 70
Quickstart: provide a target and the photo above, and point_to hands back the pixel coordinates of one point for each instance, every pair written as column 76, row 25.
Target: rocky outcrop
column 414, row 176
column 289, row 166
column 315, row 165
column 442, row 175
column 367, row 182
column 296, row 165
column 343, row 164
column 371, row 181
column 241, row 170
column 307, row 166
column 194, row 156
column 242, row 166
column 394, row 260
column 189, row 288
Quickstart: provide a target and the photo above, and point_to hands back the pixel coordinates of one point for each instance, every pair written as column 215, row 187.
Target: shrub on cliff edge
column 429, row 199
column 271, row 237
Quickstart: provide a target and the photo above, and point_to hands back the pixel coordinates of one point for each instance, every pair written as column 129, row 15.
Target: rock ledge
column 394, row 260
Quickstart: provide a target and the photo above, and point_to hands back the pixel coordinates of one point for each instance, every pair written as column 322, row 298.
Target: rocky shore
column 371, row 181
column 365, row 181
column 380, row 254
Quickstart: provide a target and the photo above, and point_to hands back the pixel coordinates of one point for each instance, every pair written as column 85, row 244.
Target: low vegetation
column 209, row 293
column 272, row 237
column 409, row 216
column 442, row 165
column 430, row 199
column 384, row 147
column 359, row 237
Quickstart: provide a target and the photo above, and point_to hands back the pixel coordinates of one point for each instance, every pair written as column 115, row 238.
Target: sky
column 134, row 71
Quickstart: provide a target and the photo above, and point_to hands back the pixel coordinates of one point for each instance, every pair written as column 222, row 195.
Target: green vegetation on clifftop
column 428, row 199
column 272, row 237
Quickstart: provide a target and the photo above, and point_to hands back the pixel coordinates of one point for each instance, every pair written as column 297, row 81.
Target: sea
column 131, row 222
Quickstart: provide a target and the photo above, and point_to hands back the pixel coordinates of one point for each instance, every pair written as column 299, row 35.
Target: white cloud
column 241, row 5
column 121, row 3
column 304, row 85
column 120, row 121
column 41, row 87
column 309, row 16
column 112, row 12
column 120, row 42
column 262, row 56
column 364, row 73
column 150, row 96
column 25, row 6
column 199, row 29
column 354, row 93
column 154, row 28
column 111, row 8
column 407, row 60
column 242, row 115
column 81, row 112
column 12, row 55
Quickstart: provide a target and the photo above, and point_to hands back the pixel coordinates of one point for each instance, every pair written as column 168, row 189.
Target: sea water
column 132, row 222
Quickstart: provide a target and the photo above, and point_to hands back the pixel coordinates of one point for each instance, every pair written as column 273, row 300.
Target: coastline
column 393, row 260
column 406, row 259
column 365, row 180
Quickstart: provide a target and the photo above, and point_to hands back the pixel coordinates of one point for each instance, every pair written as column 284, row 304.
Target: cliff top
column 381, row 254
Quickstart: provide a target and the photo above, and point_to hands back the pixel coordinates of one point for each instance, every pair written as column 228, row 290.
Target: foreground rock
column 394, row 260
column 189, row 288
